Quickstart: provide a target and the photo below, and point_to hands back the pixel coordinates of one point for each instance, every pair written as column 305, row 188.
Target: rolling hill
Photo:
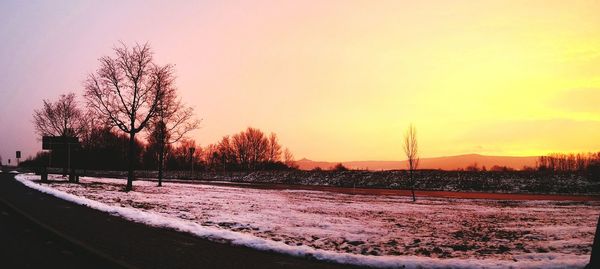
column 444, row 163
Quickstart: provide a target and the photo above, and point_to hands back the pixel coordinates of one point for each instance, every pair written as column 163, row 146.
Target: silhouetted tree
column 593, row 169
column 227, row 154
column 154, row 146
column 339, row 168
column 411, row 149
column 105, row 148
column 93, row 124
column 172, row 122
column 258, row 147
column 250, row 147
column 274, row 149
column 288, row 159
column 180, row 157
column 40, row 159
column 126, row 90
column 528, row 168
column 473, row 167
column 560, row 162
column 211, row 158
column 247, row 150
column 498, row 168
column 61, row 118
column 241, row 149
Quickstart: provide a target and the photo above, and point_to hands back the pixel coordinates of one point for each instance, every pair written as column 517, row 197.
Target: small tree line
column 569, row 162
column 474, row 167
column 105, row 148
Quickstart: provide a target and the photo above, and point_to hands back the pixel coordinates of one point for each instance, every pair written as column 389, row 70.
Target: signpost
column 61, row 142
column 18, row 155
column 58, row 142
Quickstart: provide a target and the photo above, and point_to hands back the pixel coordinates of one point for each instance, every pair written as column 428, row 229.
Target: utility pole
column 69, row 157
column 192, row 150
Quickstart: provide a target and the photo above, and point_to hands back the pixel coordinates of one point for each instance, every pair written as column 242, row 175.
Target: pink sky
column 337, row 80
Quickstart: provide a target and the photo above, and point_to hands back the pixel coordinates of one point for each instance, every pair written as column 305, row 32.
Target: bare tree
column 172, row 122
column 250, row 147
column 411, row 148
column 210, row 156
column 240, row 147
column 126, row 90
column 61, row 118
column 288, row 158
column 258, row 145
column 274, row 149
column 92, row 126
column 182, row 156
column 226, row 153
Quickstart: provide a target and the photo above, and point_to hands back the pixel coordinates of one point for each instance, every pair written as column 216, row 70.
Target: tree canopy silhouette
column 60, row 118
column 126, row 90
column 288, row 159
column 273, row 149
column 172, row 122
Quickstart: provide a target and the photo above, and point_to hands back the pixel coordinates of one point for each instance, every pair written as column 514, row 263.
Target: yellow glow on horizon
column 341, row 81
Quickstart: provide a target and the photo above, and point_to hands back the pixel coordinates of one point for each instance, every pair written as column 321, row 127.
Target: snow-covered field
column 379, row 231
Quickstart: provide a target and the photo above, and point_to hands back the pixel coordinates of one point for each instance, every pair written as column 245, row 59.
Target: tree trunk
column 131, row 162
column 595, row 256
column 412, row 183
column 66, row 156
column 161, row 157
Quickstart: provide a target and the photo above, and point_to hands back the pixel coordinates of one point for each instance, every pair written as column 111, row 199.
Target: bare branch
column 60, row 118
column 126, row 89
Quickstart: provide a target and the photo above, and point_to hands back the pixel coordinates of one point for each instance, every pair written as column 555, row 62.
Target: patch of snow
column 366, row 230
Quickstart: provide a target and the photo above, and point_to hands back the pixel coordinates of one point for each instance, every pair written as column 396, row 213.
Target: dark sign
column 18, row 154
column 58, row 142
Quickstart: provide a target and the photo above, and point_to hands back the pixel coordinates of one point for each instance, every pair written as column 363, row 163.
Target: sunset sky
column 336, row 80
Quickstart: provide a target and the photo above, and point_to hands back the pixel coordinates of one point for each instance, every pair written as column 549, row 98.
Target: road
column 27, row 245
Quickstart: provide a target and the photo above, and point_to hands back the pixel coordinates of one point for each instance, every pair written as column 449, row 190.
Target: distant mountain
column 445, row 163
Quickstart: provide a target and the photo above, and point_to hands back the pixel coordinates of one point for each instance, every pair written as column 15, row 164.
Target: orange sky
column 338, row 80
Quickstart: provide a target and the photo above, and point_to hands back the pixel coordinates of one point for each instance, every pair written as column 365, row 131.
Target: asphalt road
column 105, row 241
column 24, row 244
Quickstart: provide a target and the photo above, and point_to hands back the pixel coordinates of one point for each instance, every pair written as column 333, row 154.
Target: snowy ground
column 381, row 231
